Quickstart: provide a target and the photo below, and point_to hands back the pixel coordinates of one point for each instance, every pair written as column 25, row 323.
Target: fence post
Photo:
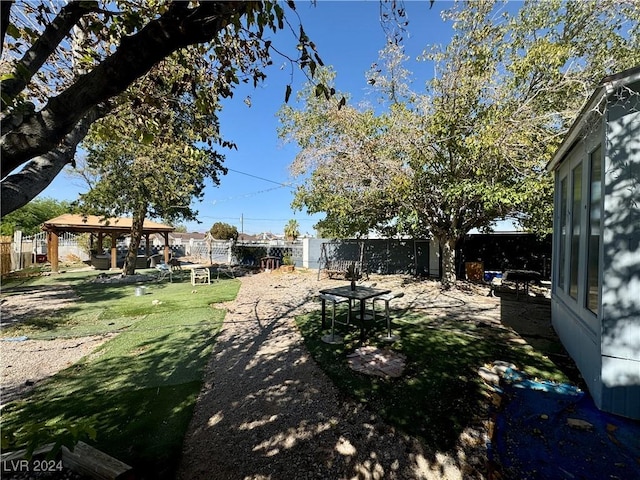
column 16, row 257
column 305, row 252
column 52, row 249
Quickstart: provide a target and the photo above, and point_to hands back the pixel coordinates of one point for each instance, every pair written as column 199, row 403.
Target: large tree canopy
column 29, row 219
column 471, row 148
column 153, row 157
column 62, row 70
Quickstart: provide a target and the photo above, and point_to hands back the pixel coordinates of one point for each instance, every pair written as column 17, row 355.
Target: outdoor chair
column 386, row 299
column 164, row 271
column 200, row 276
column 333, row 338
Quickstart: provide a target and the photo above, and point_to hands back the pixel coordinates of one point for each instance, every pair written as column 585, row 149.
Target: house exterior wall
column 621, row 259
column 599, row 322
column 577, row 326
column 581, row 344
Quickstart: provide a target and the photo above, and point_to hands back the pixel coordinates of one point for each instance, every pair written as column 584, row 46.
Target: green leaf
column 287, row 94
column 147, row 138
column 13, row 31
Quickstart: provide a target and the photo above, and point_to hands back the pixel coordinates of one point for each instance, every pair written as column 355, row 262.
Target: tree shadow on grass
column 138, row 391
column 439, row 394
column 530, row 319
column 281, row 416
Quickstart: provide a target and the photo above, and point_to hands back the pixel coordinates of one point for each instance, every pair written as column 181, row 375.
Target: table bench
column 339, row 268
column 270, row 262
column 522, row 278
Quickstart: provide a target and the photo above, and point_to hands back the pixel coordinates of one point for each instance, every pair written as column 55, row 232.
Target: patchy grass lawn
column 440, row 392
column 139, row 389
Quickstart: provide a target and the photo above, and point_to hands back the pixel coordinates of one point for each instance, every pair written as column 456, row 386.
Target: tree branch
column 178, row 27
column 5, row 12
column 46, row 44
column 21, row 188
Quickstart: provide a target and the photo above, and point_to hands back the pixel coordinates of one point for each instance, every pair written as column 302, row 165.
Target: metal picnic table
column 359, row 293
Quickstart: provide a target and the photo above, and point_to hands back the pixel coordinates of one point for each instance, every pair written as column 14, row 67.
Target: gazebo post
column 166, row 247
column 52, row 250
column 114, row 252
column 147, row 250
column 100, row 242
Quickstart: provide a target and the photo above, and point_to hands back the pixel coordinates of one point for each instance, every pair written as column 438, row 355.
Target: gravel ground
column 26, row 363
column 268, row 412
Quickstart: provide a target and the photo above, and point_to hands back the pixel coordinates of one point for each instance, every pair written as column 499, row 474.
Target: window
column 574, row 253
column 595, row 219
column 562, row 247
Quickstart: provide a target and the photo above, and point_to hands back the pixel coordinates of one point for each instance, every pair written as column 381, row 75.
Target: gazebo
column 113, row 227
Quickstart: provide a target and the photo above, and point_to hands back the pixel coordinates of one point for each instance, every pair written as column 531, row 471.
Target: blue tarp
column 533, row 439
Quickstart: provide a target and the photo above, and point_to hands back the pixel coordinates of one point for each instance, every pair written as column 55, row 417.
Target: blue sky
column 348, row 37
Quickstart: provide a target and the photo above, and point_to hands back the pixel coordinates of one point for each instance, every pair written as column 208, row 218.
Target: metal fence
column 210, row 252
column 383, row 256
column 244, row 253
column 19, row 252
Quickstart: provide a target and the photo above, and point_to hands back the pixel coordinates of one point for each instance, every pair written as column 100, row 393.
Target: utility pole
column 242, row 225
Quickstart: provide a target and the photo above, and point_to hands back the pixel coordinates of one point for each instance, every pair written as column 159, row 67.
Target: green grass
column 139, row 389
column 440, row 392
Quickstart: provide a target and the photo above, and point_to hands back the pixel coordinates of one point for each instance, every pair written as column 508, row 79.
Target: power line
column 299, row 219
column 288, row 185
column 248, row 195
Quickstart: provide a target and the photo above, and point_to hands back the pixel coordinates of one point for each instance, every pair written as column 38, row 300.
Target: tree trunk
column 448, row 246
column 137, row 224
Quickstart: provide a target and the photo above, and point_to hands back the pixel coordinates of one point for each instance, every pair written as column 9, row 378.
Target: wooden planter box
column 84, row 460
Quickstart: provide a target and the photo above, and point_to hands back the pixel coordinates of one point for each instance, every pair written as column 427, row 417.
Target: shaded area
column 506, row 251
column 533, row 438
column 139, row 389
column 439, row 394
column 530, row 320
column 267, row 411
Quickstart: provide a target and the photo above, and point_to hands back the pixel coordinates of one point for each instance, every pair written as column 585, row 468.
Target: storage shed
column 596, row 243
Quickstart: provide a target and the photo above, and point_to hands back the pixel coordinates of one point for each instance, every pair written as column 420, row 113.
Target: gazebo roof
column 94, row 223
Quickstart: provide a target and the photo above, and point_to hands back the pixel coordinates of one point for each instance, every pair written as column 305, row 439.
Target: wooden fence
column 5, row 254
